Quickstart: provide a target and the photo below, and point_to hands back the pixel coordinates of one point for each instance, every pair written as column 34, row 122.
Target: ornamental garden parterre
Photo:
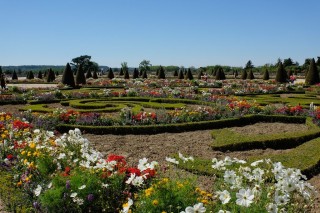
column 47, row 165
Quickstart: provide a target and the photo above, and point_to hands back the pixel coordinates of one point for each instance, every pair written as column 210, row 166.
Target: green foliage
column 14, row 75
column 30, row 75
column 94, row 75
column 145, row 66
column 88, row 74
column 50, row 76
column 80, row 77
column 220, row 74
column 126, row 74
column 281, row 75
column 67, row 77
column 85, row 62
column 2, row 81
column 39, row 75
column 313, row 74
column 121, row 72
column 175, row 73
column 144, row 74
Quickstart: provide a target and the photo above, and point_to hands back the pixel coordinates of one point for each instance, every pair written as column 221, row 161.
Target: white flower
column 131, row 178
column 74, row 194
column 79, row 201
column 49, row 185
column 172, row 160
column 256, row 163
column 126, row 206
column 197, row 208
column 37, row 191
column 105, row 185
column 244, row 197
column 61, row 156
column 230, row 176
column 223, row 211
column 36, row 131
column 272, row 208
column 219, row 165
column 184, row 159
column 82, row 187
column 224, row 196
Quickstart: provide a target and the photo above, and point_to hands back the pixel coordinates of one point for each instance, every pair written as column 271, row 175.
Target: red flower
column 17, row 124
column 9, row 156
column 66, row 171
column 149, row 173
column 135, row 171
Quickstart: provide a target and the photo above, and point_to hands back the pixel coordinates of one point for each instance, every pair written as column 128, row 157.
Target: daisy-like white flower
column 126, row 206
column 229, row 176
column 82, row 187
column 272, row 208
column 185, row 159
column 37, row 191
column 49, row 185
column 172, row 160
column 244, row 197
column 224, row 196
column 256, row 163
column 223, row 211
column 197, row 208
column 74, row 194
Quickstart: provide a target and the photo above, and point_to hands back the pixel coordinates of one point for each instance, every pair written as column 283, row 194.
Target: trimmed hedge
column 181, row 127
column 227, row 140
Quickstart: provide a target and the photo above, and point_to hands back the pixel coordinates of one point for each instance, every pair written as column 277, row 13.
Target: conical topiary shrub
column 220, row 74
column 144, row 74
column 14, row 75
column 266, row 75
column 161, row 74
column 281, row 75
column 110, row 74
column 50, row 76
column 244, row 74
column 189, row 75
column 88, row 74
column 180, row 74
column 80, row 77
column 95, row 75
column 30, row 75
column 175, row 73
column 126, row 74
column 135, row 73
column 67, row 77
column 121, row 72
column 2, row 81
column 250, row 75
column 313, row 74
column 40, row 75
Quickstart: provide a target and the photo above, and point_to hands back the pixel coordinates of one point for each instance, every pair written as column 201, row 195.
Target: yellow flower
column 148, row 191
column 32, row 145
column 155, row 202
column 36, row 154
column 23, row 152
column 165, row 180
column 198, row 190
column 3, row 136
column 29, row 154
column 204, row 201
column 25, row 161
column 203, row 193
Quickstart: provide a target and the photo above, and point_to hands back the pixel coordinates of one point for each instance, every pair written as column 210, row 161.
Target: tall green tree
column 250, row 75
column 287, row 62
column 281, row 75
column 249, row 65
column 14, row 75
column 180, row 74
column 145, row 66
column 51, row 76
column 88, row 74
column 67, row 76
column 189, row 75
column 313, row 74
column 80, row 77
column 121, row 72
column 40, row 75
column 2, row 81
column 125, row 69
column 85, row 61
column 244, row 74
column 1, row 71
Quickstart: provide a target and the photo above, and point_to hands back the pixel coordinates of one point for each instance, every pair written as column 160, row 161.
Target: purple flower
column 36, row 205
column 90, row 197
column 68, row 184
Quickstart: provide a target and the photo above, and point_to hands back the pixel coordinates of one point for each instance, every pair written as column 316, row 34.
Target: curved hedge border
column 226, row 140
column 182, row 127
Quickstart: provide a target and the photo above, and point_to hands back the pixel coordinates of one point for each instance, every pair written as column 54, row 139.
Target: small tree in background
column 313, row 74
column 250, row 76
column 88, row 74
column 220, row 74
column 281, row 75
column 180, row 74
column 244, row 74
column 289, row 73
column 95, row 75
column 67, row 77
column 266, row 75
column 1, row 71
column 30, row 75
column 110, row 74
column 14, row 75
column 39, row 75
column 80, row 77
column 45, row 74
column 144, row 74
column 189, row 74
column 135, row 73
column 161, row 74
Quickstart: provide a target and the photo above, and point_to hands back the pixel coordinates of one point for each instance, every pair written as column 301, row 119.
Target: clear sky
column 167, row 32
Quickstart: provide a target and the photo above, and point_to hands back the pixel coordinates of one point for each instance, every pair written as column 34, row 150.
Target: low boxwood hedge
column 227, row 140
column 182, row 127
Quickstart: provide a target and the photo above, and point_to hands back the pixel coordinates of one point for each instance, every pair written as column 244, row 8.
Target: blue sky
column 167, row 32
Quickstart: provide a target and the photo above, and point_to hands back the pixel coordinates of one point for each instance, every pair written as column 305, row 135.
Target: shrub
column 161, row 74
column 110, row 73
column 88, row 74
column 14, row 75
column 94, row 75
column 244, row 74
column 189, row 75
column 281, row 75
column 135, row 73
column 266, row 75
column 67, row 77
column 80, row 77
column 313, row 74
column 250, row 76
column 180, row 75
